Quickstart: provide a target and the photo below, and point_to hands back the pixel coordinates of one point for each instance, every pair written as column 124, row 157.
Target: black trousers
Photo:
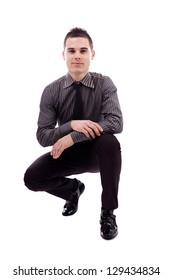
column 102, row 154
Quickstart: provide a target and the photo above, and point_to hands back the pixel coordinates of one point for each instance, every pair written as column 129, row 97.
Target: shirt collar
column 86, row 81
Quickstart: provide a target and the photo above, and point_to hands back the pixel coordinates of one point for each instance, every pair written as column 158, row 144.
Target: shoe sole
column 108, row 237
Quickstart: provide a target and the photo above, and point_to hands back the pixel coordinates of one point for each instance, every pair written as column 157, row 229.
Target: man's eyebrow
column 83, row 48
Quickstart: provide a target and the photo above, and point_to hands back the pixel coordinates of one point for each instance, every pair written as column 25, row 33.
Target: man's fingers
column 90, row 131
column 61, row 145
column 89, row 128
column 86, row 133
column 94, row 129
column 95, row 126
column 56, row 151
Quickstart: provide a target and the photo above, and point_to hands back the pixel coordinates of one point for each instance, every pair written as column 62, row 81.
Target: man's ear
column 63, row 55
column 92, row 54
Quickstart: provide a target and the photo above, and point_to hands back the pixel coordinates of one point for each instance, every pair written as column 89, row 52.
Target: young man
column 86, row 108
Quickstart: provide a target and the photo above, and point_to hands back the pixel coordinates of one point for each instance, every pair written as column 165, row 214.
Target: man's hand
column 89, row 128
column 62, row 144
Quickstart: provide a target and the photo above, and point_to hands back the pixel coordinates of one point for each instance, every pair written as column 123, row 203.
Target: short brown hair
column 78, row 32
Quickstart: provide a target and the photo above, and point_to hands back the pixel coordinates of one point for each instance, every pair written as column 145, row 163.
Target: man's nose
column 77, row 55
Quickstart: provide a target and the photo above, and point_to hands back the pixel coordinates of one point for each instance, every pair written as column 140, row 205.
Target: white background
column 134, row 46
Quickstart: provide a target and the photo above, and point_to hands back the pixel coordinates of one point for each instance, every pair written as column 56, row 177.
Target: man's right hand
column 89, row 128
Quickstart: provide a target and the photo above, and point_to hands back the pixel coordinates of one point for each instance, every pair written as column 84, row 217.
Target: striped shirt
column 100, row 104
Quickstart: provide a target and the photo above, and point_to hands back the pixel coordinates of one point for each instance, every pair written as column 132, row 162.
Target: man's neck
column 77, row 77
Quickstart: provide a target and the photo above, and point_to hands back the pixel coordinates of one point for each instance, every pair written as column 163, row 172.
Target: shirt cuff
column 79, row 137
column 65, row 129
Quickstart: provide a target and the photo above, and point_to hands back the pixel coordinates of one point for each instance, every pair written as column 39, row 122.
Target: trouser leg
column 107, row 148
column 48, row 174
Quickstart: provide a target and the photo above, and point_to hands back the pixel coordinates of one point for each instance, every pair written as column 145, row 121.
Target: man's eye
column 71, row 51
column 83, row 51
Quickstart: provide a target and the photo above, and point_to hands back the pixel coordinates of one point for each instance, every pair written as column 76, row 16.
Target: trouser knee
column 29, row 181
column 108, row 143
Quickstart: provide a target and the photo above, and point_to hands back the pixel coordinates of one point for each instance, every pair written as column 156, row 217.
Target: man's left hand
column 62, row 144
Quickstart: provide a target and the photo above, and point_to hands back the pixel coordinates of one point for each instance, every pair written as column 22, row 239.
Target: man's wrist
column 71, row 124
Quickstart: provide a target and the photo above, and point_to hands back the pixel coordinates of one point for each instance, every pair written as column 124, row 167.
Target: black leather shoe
column 71, row 206
column 109, row 228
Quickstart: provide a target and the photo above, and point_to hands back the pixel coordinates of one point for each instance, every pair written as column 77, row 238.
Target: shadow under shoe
column 109, row 228
column 71, row 206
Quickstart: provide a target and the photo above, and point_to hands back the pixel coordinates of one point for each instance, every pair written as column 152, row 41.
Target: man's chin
column 78, row 73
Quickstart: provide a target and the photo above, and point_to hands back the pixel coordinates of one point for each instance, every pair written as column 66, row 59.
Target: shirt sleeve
column 47, row 132
column 112, row 120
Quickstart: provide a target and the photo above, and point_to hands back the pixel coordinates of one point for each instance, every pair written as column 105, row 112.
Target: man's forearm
column 112, row 125
column 47, row 136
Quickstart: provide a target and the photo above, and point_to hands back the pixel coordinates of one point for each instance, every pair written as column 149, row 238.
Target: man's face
column 78, row 55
